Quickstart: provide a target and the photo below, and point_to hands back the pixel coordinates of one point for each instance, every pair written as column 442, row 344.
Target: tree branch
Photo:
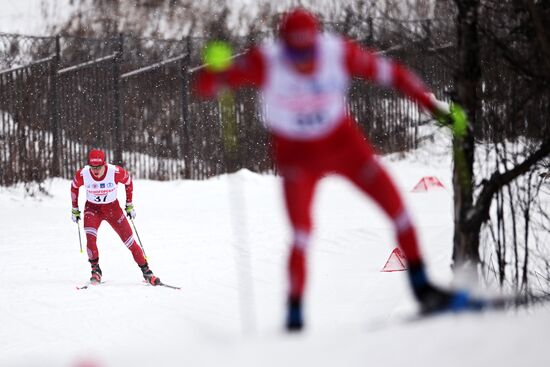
column 480, row 210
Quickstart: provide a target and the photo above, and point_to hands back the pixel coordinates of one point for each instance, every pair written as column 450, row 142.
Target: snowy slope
column 196, row 235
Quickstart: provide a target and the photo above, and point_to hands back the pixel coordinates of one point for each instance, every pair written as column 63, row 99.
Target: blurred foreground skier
column 304, row 76
column 100, row 181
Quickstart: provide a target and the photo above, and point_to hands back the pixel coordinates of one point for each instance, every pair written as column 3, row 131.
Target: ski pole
column 79, row 236
column 242, row 256
column 139, row 239
column 218, row 56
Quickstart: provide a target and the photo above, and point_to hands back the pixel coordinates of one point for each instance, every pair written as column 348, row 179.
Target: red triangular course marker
column 396, row 261
column 427, row 183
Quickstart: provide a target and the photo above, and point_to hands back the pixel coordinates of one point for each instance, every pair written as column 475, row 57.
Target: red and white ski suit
column 313, row 134
column 102, row 204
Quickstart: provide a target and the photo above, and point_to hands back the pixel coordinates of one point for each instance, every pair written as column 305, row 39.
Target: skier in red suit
column 100, row 181
column 304, row 76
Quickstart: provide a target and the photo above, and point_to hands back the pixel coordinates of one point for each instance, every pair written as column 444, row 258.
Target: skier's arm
column 366, row 64
column 248, row 70
column 122, row 176
column 75, row 187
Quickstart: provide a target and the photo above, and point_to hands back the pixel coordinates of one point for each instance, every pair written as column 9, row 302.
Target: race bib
column 100, row 192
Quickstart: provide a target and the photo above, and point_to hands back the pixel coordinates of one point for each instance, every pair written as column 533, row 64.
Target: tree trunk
column 466, row 237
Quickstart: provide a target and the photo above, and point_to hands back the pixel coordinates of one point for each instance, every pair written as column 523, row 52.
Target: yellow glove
column 75, row 213
column 130, row 212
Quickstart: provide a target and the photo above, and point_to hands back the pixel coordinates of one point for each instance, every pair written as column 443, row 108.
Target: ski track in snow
column 188, row 231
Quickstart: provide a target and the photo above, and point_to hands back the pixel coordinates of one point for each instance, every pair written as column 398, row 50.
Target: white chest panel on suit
column 100, row 192
column 305, row 106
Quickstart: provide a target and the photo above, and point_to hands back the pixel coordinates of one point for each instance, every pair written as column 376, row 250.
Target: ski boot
column 433, row 299
column 148, row 275
column 96, row 272
column 294, row 319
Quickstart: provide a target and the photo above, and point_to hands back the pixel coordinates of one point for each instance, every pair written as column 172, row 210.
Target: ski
column 502, row 302
column 169, row 286
column 161, row 284
column 473, row 305
column 88, row 285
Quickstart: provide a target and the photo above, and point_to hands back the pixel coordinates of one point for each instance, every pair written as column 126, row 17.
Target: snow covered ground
column 197, row 235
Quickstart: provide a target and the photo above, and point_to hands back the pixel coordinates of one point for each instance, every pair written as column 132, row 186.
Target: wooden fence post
column 117, row 120
column 184, row 117
column 54, row 114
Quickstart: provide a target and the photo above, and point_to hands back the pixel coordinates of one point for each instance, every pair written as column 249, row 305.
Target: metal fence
column 130, row 96
column 26, row 149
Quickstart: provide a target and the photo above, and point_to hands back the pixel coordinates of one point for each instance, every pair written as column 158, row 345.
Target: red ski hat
column 96, row 158
column 298, row 29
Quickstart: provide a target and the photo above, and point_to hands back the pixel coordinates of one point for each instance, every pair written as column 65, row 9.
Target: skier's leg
column 118, row 221
column 357, row 161
column 92, row 220
column 299, row 189
column 298, row 192
column 372, row 178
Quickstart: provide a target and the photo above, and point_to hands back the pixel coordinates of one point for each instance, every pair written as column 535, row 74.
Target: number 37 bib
column 305, row 106
column 103, row 191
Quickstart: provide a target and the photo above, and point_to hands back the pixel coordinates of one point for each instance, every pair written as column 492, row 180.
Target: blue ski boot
column 294, row 320
column 433, row 299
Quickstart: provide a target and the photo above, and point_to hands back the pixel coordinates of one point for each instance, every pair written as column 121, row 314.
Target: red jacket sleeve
column 247, row 70
column 78, row 181
column 366, row 64
column 122, row 176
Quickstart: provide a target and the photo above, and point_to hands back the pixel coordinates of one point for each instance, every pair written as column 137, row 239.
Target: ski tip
column 161, row 284
column 169, row 286
column 88, row 285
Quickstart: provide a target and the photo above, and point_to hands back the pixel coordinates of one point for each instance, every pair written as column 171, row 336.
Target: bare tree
column 508, row 36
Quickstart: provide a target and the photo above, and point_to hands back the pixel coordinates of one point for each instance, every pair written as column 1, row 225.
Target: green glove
column 75, row 212
column 130, row 212
column 457, row 120
column 217, row 55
